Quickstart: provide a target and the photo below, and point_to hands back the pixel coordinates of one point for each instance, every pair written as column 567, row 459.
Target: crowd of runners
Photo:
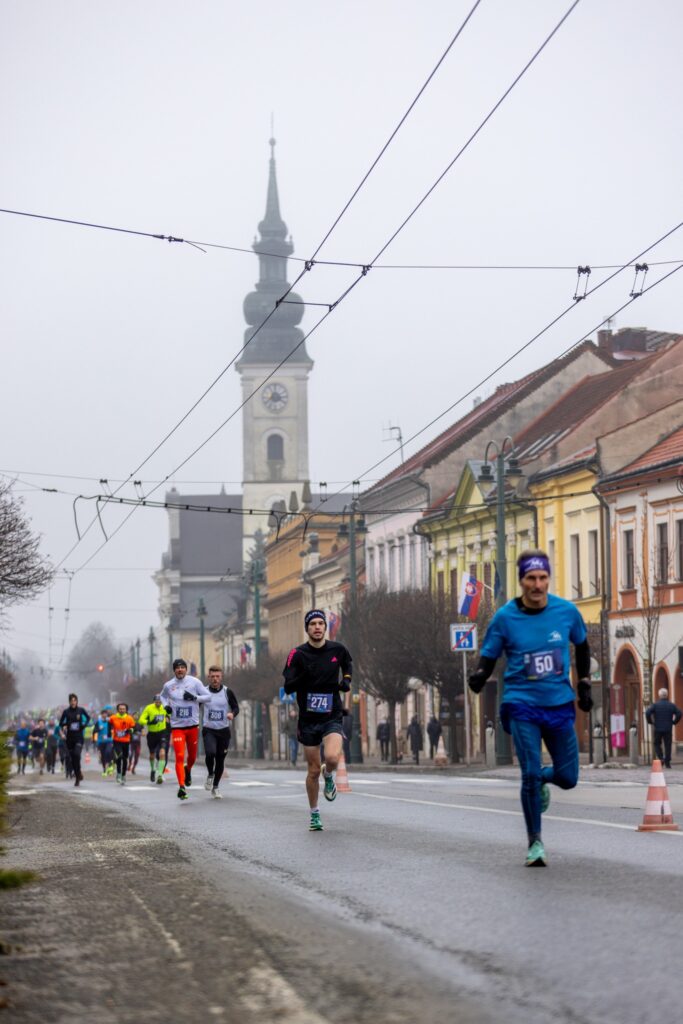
column 533, row 631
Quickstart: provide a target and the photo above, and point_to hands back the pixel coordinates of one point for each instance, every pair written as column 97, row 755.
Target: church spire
column 281, row 333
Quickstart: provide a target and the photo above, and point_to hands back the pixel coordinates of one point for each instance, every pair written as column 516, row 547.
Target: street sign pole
column 466, row 698
column 464, row 639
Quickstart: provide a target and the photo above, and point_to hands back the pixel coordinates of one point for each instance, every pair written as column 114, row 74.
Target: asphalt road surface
column 413, row 905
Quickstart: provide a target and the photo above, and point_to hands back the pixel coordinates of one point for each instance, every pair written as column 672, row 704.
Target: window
column 575, row 556
column 454, row 591
column 551, row 555
column 679, row 549
column 629, row 577
column 276, row 448
column 413, row 563
column 662, row 559
column 593, row 563
column 381, row 570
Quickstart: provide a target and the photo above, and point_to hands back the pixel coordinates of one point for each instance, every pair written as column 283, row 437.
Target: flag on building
column 471, row 590
column 333, row 624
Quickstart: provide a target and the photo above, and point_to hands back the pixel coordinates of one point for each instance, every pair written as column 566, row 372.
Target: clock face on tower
column 274, row 397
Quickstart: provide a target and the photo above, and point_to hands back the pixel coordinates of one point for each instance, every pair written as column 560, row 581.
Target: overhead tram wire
column 366, row 268
column 308, row 265
column 526, row 345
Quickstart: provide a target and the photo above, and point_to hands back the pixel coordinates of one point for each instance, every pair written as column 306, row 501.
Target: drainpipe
column 606, row 600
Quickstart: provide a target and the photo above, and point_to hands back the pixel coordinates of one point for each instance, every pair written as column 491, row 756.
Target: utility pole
column 137, row 658
column 256, row 578
column 201, row 615
column 356, row 748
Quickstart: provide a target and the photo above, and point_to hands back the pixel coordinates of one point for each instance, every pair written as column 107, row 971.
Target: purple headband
column 534, row 563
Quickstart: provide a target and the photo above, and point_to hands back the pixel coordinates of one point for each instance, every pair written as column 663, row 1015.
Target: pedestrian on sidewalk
column 291, row 727
column 663, row 714
column 414, row 737
column 383, row 737
column 434, row 732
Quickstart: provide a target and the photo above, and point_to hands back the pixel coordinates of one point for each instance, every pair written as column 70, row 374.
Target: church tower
column 275, row 420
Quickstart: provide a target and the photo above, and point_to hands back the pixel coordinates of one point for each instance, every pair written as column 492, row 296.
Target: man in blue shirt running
column 534, row 632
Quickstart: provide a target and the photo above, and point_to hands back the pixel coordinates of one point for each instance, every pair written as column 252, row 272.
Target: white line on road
column 267, row 994
column 171, row 942
column 253, row 782
column 496, row 810
column 21, row 792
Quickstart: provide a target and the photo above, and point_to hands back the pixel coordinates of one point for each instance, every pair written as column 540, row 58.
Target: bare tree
column 8, row 689
column 96, row 647
column 23, row 572
column 377, row 632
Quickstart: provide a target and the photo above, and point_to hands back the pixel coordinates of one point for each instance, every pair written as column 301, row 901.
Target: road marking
column 496, row 810
column 251, row 783
column 21, row 792
column 171, row 942
column 370, row 782
column 267, row 994
column 140, row 789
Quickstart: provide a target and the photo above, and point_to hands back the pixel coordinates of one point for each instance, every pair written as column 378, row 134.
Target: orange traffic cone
column 343, row 785
column 658, row 816
column 441, row 757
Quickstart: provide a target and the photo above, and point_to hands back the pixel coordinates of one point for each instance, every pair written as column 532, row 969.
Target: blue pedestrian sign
column 286, row 698
column 464, row 638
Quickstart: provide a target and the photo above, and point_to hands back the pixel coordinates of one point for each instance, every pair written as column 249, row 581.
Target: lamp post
column 350, row 532
column 512, row 475
column 152, row 640
column 201, row 615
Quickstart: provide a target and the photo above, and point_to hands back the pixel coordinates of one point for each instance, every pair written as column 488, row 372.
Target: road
column 415, row 900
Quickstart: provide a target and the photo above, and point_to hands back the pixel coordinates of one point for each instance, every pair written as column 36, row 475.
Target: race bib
column 216, row 715
column 320, row 702
column 183, row 712
column 544, row 664
column 75, row 726
column 120, row 733
column 159, row 718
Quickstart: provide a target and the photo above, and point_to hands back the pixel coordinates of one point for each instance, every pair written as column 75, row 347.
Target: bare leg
column 312, row 755
column 332, row 744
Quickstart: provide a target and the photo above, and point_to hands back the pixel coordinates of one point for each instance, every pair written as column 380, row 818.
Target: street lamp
column 350, row 533
column 512, row 475
column 201, row 615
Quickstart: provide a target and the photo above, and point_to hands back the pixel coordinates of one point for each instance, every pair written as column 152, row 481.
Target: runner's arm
column 232, row 701
column 347, row 671
column 582, row 655
column 477, row 679
column 290, row 672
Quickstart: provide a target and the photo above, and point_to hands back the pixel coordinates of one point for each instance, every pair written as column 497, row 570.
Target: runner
column 102, row 735
column 38, row 743
column 72, row 723
column 317, row 671
column 155, row 717
column 122, row 725
column 21, row 745
column 135, row 744
column 181, row 697
column 219, row 712
column 534, row 632
column 51, row 746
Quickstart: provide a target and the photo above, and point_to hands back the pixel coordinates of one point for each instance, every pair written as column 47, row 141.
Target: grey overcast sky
column 155, row 115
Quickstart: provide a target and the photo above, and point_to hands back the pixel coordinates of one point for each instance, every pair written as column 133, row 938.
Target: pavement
column 412, row 905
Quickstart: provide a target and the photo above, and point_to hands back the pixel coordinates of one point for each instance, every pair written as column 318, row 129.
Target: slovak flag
column 333, row 624
column 470, row 595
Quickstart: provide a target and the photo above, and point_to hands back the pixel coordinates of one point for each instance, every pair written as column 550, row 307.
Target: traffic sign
column 463, row 638
column 286, row 698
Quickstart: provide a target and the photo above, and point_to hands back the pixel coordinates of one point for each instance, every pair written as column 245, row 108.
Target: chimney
column 605, row 340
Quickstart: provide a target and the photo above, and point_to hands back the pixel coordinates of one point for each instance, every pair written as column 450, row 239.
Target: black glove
column 168, row 709
column 584, row 699
column 187, row 695
column 477, row 681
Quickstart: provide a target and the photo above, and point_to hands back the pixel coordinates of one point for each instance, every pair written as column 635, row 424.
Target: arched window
column 276, row 448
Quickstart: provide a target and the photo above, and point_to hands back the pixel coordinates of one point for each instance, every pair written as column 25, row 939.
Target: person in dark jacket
column 383, row 737
column 434, row 733
column 72, row 723
column 414, row 735
column 663, row 714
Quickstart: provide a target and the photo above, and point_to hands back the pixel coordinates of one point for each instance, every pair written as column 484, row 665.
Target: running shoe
column 118, row 779
column 209, row 782
column 316, row 824
column 182, row 793
column 77, row 782
column 330, row 790
column 104, row 775
column 536, row 857
column 123, row 780
column 152, row 775
column 216, row 794
column 545, row 797
column 160, row 778
column 188, row 777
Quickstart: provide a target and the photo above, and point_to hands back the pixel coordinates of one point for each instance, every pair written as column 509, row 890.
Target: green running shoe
column 316, row 824
column 182, row 793
column 330, row 790
column 545, row 797
column 536, row 857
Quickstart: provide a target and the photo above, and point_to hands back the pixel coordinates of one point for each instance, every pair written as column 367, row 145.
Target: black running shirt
column 316, row 675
